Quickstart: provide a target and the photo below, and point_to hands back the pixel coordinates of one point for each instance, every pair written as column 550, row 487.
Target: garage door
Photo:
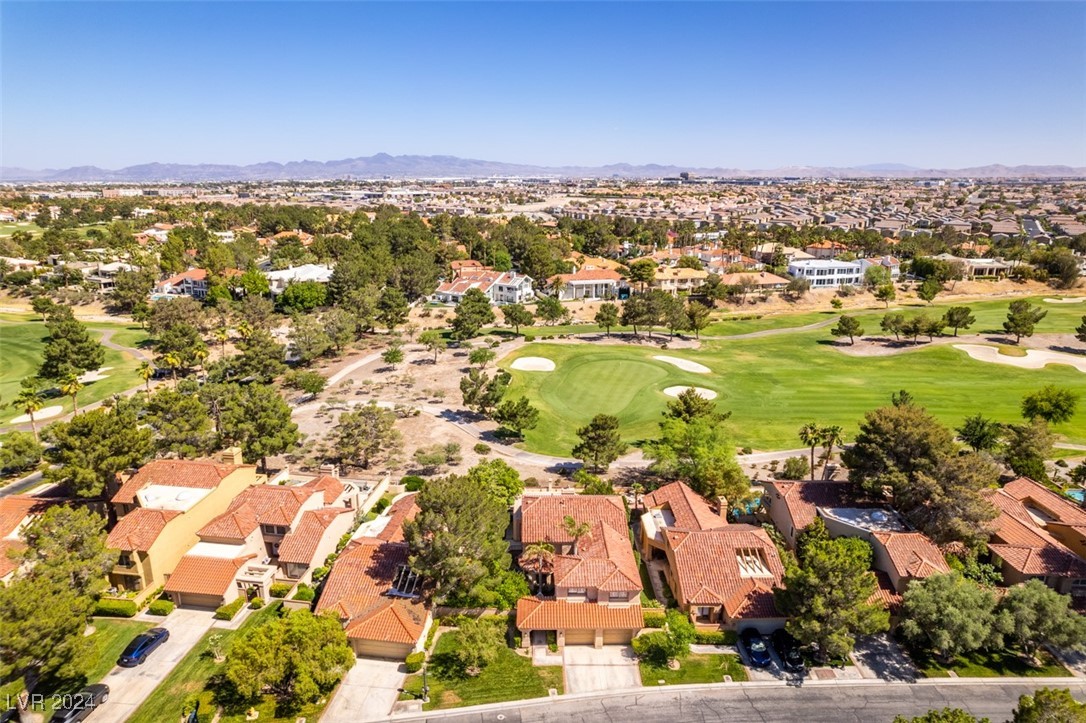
column 580, row 637
column 617, row 637
column 381, row 649
column 200, row 602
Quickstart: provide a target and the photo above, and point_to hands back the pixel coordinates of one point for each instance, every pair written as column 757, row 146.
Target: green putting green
column 772, row 385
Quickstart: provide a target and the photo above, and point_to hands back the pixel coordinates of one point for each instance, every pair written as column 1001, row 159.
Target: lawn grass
column 186, row 683
column 111, row 636
column 23, row 339
column 772, row 385
column 695, row 668
column 997, row 664
column 509, row 677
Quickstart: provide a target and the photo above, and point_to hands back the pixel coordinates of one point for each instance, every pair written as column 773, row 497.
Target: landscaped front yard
column 695, row 668
column 189, row 682
column 990, row 665
column 509, row 677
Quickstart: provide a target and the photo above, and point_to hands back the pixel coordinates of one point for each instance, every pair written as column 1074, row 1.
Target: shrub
column 552, row 641
column 430, row 635
column 305, row 592
column 382, row 505
column 715, row 637
column 655, row 620
column 795, row 468
column 414, row 661
column 529, row 337
column 746, row 450
column 482, row 448
column 109, row 607
column 279, row 589
column 230, row 609
column 256, row 603
column 160, row 607
column 319, row 573
column 412, row 483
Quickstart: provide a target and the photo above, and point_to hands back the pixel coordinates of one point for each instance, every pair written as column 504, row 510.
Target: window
column 752, row 563
column 618, row 595
column 577, row 591
column 125, row 560
column 406, row 583
column 274, row 529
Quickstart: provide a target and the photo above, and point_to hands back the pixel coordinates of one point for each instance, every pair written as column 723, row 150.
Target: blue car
column 757, row 649
column 142, row 646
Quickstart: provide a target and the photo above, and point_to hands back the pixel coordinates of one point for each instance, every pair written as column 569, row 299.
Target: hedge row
column 116, row 608
column 414, row 662
column 160, row 607
column 230, row 609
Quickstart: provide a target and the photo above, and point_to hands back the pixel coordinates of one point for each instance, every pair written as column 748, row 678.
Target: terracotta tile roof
column 15, row 509
column 199, row 575
column 236, row 523
column 205, row 474
column 541, row 517
column 401, row 511
column 390, row 619
column 534, row 614
column 139, row 529
column 1054, row 505
column 885, row 593
column 587, row 275
column 362, row 574
column 7, row 564
column 604, row 560
column 1027, row 547
column 690, row 509
column 912, row 554
column 260, row 505
column 708, row 569
column 301, row 543
column 802, row 499
column 328, row 484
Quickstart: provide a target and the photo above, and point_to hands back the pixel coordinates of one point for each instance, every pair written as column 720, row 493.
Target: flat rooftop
column 866, row 518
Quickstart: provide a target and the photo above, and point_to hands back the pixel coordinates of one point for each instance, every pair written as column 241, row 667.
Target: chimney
column 722, row 507
column 232, row 455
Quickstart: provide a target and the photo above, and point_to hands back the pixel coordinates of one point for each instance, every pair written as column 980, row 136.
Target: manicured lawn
column 23, row 342
column 111, row 637
column 990, row 665
column 509, row 677
column 188, row 682
column 772, row 385
column 695, row 668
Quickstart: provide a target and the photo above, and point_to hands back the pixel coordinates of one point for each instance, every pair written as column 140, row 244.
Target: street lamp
column 425, row 686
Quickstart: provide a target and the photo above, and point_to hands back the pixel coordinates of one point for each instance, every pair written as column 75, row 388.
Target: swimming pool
column 1076, row 493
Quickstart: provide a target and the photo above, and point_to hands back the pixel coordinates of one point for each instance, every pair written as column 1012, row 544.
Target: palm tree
column 172, row 360
column 538, row 558
column 71, row 386
column 200, row 356
column 30, row 401
column 146, row 371
column 222, row 335
column 811, row 436
column 245, row 329
column 831, row 436
column 638, row 489
column 576, row 530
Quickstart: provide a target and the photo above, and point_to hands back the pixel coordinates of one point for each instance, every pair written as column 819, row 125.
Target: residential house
column 16, row 512
column 978, row 268
column 757, row 279
column 722, row 575
column 241, row 549
column 827, row 274
column 161, row 507
column 597, row 585
column 794, row 505
column 677, row 279
column 826, row 249
column 889, row 263
column 587, row 284
column 192, row 283
column 373, row 590
column 501, row 287
column 279, row 280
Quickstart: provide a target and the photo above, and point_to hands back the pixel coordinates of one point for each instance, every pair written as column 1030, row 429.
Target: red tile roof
column 362, row 574
column 260, row 505
column 604, row 561
column 1054, row 505
column 587, row 275
column 301, row 543
column 541, row 516
column 402, row 510
column 328, row 484
column 15, row 509
column 912, row 554
column 534, row 614
column 1026, row 546
column 885, row 593
column 8, row 564
column 690, row 509
column 390, row 619
column 708, row 570
column 139, row 529
column 204, row 474
column 802, row 499
column 199, row 575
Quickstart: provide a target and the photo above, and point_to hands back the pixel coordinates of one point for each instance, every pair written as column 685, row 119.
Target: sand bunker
column 684, row 364
column 43, row 413
column 94, row 375
column 532, row 364
column 1034, row 358
column 702, row 392
column 1073, row 300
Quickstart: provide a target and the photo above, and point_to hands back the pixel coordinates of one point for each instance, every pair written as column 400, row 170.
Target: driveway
column 879, row 656
column 367, row 692
column 588, row 669
column 129, row 687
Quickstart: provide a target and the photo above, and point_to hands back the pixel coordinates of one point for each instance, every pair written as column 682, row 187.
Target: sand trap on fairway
column 685, row 364
column 533, row 364
column 43, row 413
column 1034, row 358
column 1075, row 300
column 702, row 392
column 94, row 375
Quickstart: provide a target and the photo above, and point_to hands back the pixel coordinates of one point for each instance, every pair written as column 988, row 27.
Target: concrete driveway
column 879, row 656
column 129, row 687
column 367, row 692
column 588, row 669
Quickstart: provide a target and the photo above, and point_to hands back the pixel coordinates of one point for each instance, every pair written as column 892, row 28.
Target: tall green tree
column 702, row 454
column 1053, row 404
column 308, row 338
column 472, row 314
column 1049, row 705
column 959, row 317
column 690, row 405
column 516, row 316
column 500, row 481
column 255, row 417
column 69, row 348
column 1022, row 319
column 69, row 543
column 181, row 423
column 945, row 715
column 392, row 308
column 433, row 341
column 366, row 434
column 517, row 415
column 811, row 436
column 979, row 432
column 482, row 392
column 929, row 289
column 642, row 271
column 88, row 451
column 1040, row 616
column 848, row 326
column 601, row 442
column 30, row 401
column 607, row 317
column 949, row 615
column 697, row 317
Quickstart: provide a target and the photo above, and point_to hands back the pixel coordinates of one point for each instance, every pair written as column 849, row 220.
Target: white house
column 826, row 273
column 887, row 262
column 280, row 280
column 588, row 284
column 501, row 287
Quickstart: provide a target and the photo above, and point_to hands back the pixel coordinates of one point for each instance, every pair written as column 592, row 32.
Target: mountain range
column 383, row 165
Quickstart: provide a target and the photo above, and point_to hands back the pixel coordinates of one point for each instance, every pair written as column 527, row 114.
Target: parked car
column 79, row 706
column 788, row 651
column 142, row 646
column 757, row 648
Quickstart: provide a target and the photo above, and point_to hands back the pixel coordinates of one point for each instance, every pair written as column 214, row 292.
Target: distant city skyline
column 730, row 85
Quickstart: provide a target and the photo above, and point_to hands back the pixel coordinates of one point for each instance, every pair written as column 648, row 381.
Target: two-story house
column 161, row 507
column 823, row 273
column 597, row 585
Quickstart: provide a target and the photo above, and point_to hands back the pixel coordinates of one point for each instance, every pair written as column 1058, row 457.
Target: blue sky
column 728, row 84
